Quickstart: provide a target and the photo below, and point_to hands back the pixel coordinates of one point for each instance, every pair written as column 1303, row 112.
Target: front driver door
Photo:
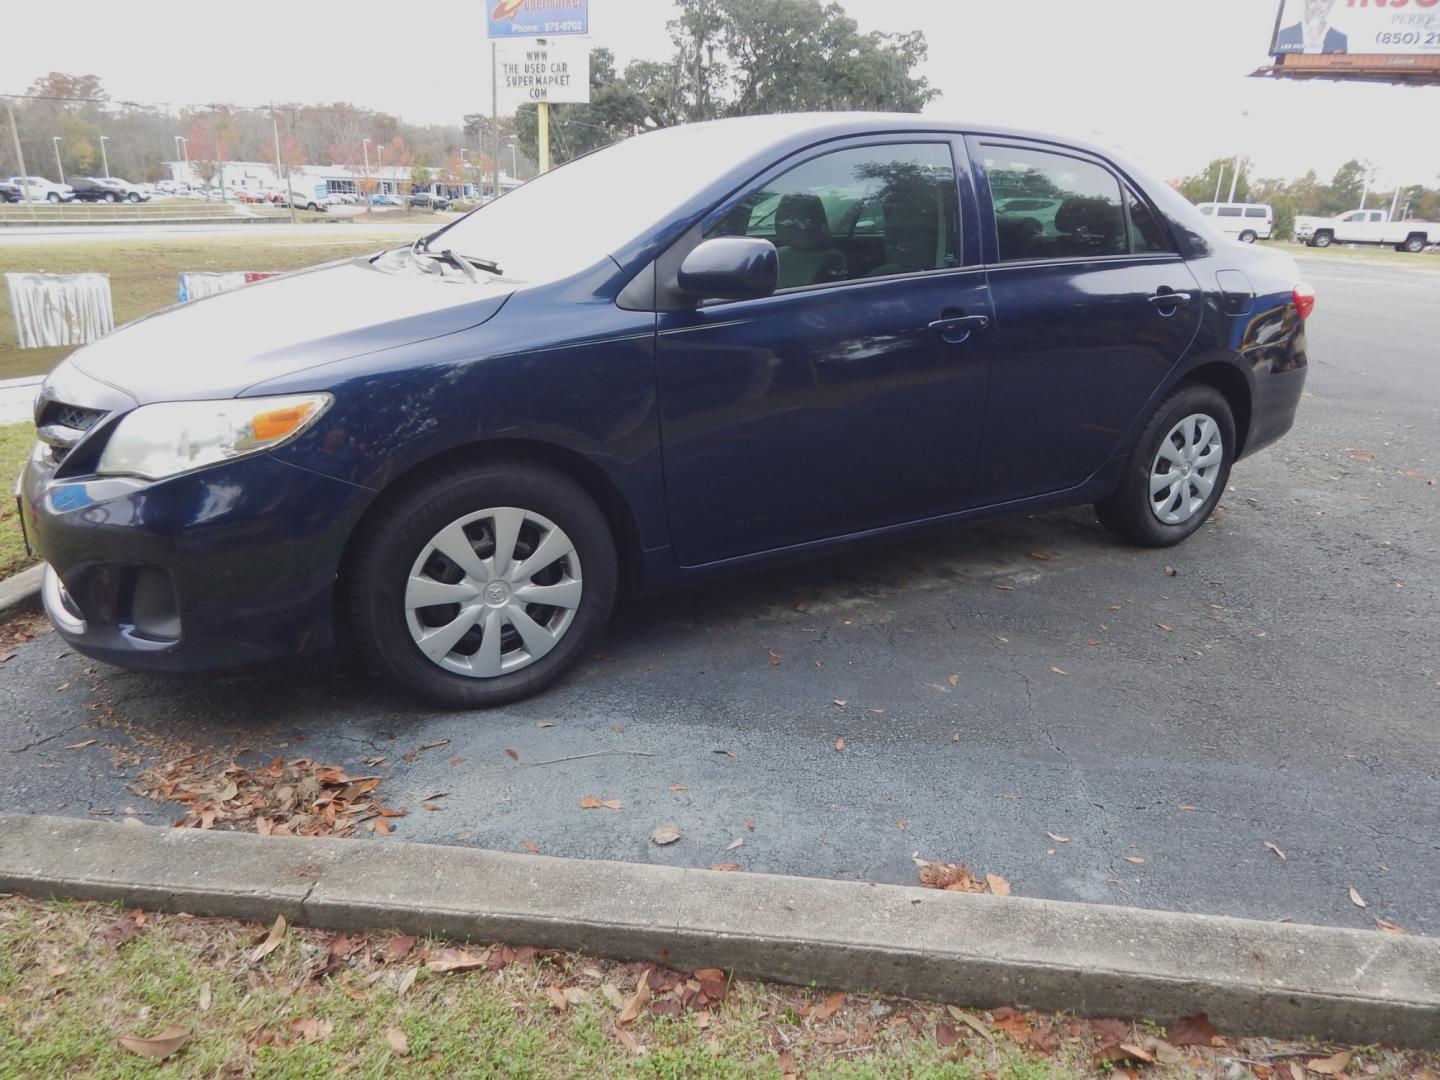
column 1093, row 306
column 853, row 397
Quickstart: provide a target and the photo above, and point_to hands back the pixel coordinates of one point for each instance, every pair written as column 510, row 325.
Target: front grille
column 76, row 417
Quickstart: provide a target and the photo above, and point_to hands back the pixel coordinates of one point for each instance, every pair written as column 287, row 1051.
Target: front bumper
column 231, row 566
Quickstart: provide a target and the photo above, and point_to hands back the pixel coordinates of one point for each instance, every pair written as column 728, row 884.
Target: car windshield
column 575, row 215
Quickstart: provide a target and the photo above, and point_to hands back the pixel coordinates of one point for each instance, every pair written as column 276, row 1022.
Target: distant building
column 260, row 176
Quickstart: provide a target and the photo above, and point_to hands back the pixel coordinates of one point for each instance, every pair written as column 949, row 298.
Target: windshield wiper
column 466, row 263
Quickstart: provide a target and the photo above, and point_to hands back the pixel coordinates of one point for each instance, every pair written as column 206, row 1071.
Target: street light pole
column 1218, row 181
column 104, row 159
column 514, row 167
column 56, row 139
column 20, row 158
column 289, row 187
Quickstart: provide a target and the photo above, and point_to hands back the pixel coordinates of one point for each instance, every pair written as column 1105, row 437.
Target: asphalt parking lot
column 996, row 689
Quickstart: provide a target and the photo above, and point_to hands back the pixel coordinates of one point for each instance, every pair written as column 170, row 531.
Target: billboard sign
column 556, row 72
column 537, row 18
column 1357, row 28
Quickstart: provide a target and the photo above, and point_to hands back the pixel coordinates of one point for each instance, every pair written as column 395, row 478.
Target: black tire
column 396, row 534
column 1414, row 244
column 134, row 196
column 1323, row 240
column 110, row 197
column 52, row 196
column 1128, row 510
column 1248, row 236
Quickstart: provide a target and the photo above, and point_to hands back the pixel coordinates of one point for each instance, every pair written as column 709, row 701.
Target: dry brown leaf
column 590, row 802
column 998, row 885
column 709, row 975
column 750, row 824
column 726, row 868
column 945, row 1035
column 1167, row 629
column 611, row 993
column 829, row 1007
column 399, row 947
column 512, row 754
column 1275, row 849
column 635, row 1004
column 839, row 744
column 1059, row 671
column 456, row 960
column 840, row 702
column 544, row 723
column 1388, row 926
column 775, row 657
column 1356, row 898
column 1058, row 838
column 665, row 834
column 1170, row 571
column 81, row 745
column 398, row 1040
column 1192, row 1030
column 972, row 1021
column 159, row 1046
column 953, row 680
column 1137, row 1053
column 531, row 846
column 733, row 844
column 557, row 998
column 1136, row 859
column 1330, row 1066
column 1040, row 555
column 271, row 942
column 676, row 787
column 1005, row 588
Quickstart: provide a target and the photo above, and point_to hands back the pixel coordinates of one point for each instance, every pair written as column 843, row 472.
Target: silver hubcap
column 1185, row 469
column 493, row 592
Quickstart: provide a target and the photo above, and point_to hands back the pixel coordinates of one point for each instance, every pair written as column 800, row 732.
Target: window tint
column 1255, row 211
column 1048, row 206
column 1229, row 211
column 867, row 212
column 1145, row 231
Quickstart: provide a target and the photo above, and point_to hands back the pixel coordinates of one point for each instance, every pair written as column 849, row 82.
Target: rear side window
column 865, row 212
column 1049, row 206
column 1207, row 210
column 1256, row 211
column 1229, row 211
column 1146, row 235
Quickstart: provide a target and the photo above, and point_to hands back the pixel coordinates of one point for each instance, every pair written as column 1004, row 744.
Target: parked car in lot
column 1367, row 227
column 381, row 199
column 105, row 189
column 784, row 335
column 42, row 190
column 425, row 200
column 1246, row 222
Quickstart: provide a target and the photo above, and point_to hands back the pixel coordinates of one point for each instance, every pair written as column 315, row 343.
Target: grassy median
column 87, row 990
column 15, row 443
column 145, row 273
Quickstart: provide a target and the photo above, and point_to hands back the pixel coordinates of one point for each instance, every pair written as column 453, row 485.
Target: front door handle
column 957, row 328
column 1164, row 298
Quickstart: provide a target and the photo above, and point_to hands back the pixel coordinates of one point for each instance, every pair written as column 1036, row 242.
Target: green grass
column 144, row 273
column 1364, row 253
column 15, row 443
column 70, row 988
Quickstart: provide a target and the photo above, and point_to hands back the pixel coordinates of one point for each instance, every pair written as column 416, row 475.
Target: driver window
column 852, row 214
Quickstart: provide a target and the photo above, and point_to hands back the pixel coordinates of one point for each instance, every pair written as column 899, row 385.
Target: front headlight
column 169, row 437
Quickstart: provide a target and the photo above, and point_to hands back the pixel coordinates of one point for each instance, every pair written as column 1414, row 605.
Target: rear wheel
column 484, row 586
column 1176, row 472
column 1248, row 236
column 1414, row 244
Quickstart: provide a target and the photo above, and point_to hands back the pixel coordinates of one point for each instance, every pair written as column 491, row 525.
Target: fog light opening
column 154, row 611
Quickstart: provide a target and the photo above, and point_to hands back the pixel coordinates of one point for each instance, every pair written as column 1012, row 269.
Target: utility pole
column 495, row 114
column 56, row 140
column 20, row 158
column 1218, row 181
column 104, row 159
column 1234, row 177
column 1394, row 204
column 290, row 188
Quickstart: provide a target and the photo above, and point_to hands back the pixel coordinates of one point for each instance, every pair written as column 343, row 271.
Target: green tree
column 1344, row 192
column 1201, row 187
column 419, row 178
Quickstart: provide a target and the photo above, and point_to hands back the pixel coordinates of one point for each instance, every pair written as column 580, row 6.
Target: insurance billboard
column 538, row 18
column 1389, row 28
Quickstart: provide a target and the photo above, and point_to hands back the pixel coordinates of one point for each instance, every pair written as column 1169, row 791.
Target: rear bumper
column 228, row 567
column 1273, row 407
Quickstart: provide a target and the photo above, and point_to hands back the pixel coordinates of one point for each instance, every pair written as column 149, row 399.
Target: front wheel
column 53, row 197
column 1176, row 472
column 1248, row 236
column 483, row 586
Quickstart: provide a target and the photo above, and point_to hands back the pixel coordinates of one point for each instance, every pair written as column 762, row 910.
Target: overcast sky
column 1161, row 80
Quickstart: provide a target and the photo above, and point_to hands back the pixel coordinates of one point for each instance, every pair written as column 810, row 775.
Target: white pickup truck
column 1366, row 227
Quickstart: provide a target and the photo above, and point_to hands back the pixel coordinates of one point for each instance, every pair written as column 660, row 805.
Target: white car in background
column 1246, row 222
column 42, row 190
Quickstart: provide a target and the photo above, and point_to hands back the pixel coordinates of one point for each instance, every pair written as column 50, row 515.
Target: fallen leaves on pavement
column 294, row 798
column 590, row 802
column 665, row 834
column 955, row 877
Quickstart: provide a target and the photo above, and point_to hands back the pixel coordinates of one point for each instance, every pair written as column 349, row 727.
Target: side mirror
column 730, row 268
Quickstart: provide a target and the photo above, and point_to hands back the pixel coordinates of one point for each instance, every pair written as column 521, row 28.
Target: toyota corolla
column 695, row 352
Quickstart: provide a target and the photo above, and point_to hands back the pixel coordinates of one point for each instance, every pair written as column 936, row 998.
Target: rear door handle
column 957, row 328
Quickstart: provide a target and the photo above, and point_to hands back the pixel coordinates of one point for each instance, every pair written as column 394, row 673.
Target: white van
column 1245, row 221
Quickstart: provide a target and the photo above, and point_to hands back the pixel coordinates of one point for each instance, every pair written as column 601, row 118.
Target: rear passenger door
column 1093, row 306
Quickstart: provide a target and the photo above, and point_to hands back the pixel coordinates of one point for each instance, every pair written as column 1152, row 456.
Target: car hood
column 219, row 346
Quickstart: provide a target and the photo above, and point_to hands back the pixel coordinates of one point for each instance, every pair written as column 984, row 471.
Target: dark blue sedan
column 698, row 351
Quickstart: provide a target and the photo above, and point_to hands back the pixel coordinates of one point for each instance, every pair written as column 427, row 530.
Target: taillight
column 1304, row 297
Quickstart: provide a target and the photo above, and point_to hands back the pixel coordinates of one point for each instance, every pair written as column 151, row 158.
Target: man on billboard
column 1313, row 33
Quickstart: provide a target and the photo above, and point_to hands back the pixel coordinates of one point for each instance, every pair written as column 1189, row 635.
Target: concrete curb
column 21, row 592
column 1250, row 977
